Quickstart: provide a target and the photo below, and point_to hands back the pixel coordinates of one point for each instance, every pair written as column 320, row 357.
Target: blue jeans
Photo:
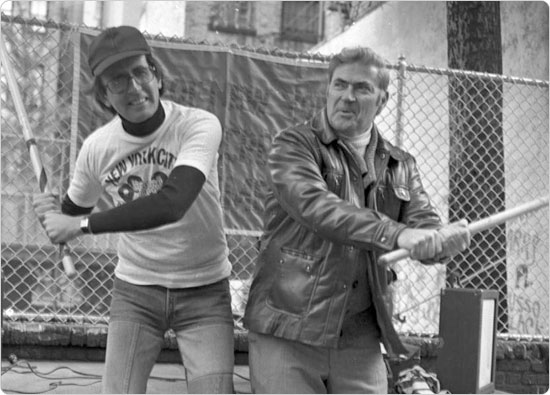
column 280, row 366
column 140, row 315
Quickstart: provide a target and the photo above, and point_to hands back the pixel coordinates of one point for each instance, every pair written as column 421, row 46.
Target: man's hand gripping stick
column 476, row 227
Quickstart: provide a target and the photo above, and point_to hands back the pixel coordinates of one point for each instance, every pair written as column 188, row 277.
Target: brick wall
column 521, row 368
column 196, row 21
column 268, row 20
column 267, row 25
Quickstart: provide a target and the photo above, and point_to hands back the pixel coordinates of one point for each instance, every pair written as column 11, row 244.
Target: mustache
column 347, row 109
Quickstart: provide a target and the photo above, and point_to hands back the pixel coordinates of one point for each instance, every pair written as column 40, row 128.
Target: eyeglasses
column 142, row 75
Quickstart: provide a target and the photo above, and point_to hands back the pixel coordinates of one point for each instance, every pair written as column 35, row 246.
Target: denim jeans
column 202, row 320
column 280, row 366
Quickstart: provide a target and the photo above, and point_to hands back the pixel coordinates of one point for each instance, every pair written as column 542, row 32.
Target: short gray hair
column 365, row 56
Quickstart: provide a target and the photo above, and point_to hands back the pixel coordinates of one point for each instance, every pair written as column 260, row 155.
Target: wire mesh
column 481, row 142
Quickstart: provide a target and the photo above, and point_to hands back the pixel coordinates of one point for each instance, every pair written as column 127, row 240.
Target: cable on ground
column 24, row 367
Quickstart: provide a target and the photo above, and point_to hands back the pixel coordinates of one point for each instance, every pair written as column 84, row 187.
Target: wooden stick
column 37, row 165
column 477, row 226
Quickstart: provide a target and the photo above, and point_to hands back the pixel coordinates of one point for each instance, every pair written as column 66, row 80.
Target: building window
column 26, row 9
column 233, row 17
column 301, row 21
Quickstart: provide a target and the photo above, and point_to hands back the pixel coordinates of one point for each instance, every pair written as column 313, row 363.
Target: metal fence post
column 402, row 67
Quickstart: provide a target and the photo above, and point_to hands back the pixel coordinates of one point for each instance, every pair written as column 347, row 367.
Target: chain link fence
column 481, row 142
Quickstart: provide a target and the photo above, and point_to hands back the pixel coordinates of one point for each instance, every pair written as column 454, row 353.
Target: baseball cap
column 114, row 44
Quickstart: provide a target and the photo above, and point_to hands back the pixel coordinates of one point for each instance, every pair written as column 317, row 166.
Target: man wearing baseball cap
column 172, row 270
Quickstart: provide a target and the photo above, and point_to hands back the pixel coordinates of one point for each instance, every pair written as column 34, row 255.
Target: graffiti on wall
column 527, row 256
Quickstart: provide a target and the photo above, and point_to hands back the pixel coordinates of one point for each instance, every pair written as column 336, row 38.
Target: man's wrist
column 85, row 225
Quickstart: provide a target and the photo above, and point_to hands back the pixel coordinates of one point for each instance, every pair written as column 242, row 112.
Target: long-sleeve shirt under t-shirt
column 118, row 168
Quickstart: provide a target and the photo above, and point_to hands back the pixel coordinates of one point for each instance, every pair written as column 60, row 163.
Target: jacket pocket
column 294, row 282
column 334, row 181
column 391, row 198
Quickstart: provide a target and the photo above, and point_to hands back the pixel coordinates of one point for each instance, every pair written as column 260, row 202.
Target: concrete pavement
column 76, row 377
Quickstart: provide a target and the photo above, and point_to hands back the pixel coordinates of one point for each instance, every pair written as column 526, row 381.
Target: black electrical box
column 467, row 331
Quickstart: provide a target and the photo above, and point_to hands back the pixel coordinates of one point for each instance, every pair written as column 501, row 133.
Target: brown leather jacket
column 317, row 227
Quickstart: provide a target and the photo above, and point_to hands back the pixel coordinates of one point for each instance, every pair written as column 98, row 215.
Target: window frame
column 230, row 20
column 312, row 36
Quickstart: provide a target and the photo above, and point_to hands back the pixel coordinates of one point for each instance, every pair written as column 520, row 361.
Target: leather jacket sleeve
column 295, row 164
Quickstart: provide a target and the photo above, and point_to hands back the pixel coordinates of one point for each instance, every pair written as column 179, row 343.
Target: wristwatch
column 85, row 225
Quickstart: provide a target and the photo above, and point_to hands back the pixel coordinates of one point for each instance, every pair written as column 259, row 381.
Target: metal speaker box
column 467, row 330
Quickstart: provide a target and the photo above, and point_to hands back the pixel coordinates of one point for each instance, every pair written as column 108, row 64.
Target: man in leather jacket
column 340, row 195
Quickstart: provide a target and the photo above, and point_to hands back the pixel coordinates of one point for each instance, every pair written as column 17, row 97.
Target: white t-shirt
column 118, row 167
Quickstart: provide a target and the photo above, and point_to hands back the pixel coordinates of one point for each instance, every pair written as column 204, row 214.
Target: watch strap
column 85, row 225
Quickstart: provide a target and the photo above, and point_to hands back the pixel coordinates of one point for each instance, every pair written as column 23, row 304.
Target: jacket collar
column 320, row 126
